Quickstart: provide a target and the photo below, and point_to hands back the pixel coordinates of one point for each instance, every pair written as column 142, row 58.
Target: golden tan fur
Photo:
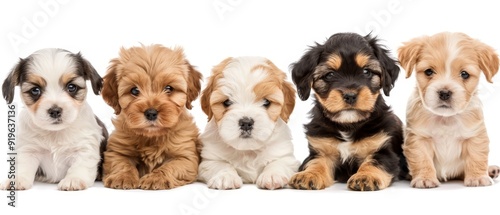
column 141, row 153
column 453, row 146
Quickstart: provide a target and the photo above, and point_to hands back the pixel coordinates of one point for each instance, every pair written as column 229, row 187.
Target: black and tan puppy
column 353, row 135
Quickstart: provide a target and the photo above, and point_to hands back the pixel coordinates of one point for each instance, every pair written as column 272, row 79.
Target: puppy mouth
column 444, row 107
column 246, row 135
column 57, row 121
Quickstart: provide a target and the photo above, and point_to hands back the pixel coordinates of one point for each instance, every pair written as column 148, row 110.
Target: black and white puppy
column 59, row 140
column 353, row 135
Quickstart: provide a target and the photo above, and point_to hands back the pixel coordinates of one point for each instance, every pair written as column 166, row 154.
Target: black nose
column 151, row 114
column 55, row 112
column 350, row 98
column 444, row 94
column 246, row 124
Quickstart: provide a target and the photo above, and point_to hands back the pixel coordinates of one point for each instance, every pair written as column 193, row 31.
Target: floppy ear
column 110, row 87
column 390, row 70
column 488, row 60
column 194, row 85
column 303, row 69
column 289, row 95
column 12, row 80
column 408, row 54
column 89, row 73
column 207, row 92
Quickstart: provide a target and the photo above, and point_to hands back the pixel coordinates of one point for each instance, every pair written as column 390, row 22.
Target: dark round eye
column 267, row 103
column 329, row 76
column 367, row 73
column 168, row 89
column 464, row 74
column 429, row 72
column 135, row 91
column 227, row 103
column 71, row 88
column 35, row 91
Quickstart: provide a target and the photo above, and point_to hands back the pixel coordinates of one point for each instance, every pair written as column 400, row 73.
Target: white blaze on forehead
column 453, row 49
column 51, row 64
column 239, row 80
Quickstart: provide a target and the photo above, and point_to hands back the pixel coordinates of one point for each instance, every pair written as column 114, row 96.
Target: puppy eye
column 464, row 75
column 227, row 103
column 367, row 73
column 168, row 89
column 429, row 72
column 71, row 88
column 329, row 76
column 135, row 91
column 35, row 91
column 267, row 103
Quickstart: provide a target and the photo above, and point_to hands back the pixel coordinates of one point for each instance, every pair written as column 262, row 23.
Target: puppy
column 446, row 136
column 59, row 140
column 353, row 135
column 248, row 102
column 154, row 145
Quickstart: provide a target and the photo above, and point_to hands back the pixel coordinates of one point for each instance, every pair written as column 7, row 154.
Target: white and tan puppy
column 247, row 140
column 59, row 140
column 446, row 135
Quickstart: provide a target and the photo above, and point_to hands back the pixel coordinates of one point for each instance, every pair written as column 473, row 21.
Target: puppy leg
column 82, row 172
column 277, row 173
column 27, row 165
column 219, row 175
column 317, row 175
column 120, row 172
column 475, row 152
column 371, row 176
column 181, row 169
column 419, row 154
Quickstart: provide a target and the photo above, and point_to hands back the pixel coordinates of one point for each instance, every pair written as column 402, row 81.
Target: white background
column 278, row 30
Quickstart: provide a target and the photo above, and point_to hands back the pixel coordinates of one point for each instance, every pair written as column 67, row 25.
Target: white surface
column 277, row 30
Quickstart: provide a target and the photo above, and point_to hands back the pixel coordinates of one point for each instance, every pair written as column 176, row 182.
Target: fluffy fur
column 446, row 136
column 353, row 135
column 248, row 102
column 154, row 145
column 59, row 140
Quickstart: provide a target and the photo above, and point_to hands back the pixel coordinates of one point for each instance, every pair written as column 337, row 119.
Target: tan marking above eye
column 362, row 59
column 334, row 61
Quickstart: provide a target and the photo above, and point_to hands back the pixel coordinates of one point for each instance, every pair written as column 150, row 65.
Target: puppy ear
column 303, row 69
column 90, row 73
column 207, row 92
column 288, row 106
column 408, row 54
column 194, row 85
column 488, row 60
column 12, row 80
column 110, row 87
column 390, row 70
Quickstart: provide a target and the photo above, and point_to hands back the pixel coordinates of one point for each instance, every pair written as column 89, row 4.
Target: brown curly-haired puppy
column 154, row 145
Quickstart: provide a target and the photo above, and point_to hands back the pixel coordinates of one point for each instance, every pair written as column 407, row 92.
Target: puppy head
column 53, row 86
column 150, row 86
column 246, row 97
column 447, row 68
column 346, row 74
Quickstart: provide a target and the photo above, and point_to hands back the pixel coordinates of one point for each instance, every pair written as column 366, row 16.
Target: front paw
column 121, row 181
column 17, row 184
column 424, row 182
column 368, row 182
column 494, row 171
column 225, row 181
column 309, row 181
column 478, row 181
column 72, row 184
column 271, row 181
column 157, row 181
